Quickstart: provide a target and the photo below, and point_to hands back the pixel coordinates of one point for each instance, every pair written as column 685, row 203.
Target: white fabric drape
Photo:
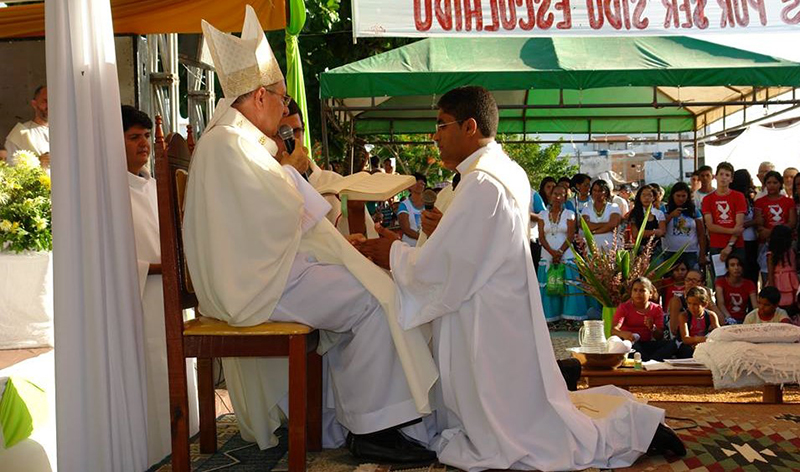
column 100, row 395
column 757, row 144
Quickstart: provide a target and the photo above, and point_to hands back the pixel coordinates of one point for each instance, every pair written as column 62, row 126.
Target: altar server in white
column 144, row 206
column 33, row 135
column 259, row 248
column 503, row 403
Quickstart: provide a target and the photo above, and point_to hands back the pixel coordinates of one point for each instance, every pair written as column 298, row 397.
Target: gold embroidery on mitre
column 242, row 64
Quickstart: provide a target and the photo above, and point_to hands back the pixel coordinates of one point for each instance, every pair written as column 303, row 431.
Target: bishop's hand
column 378, row 250
column 297, row 159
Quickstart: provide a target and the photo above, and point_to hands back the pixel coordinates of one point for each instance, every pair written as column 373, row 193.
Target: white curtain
column 100, row 381
column 757, row 144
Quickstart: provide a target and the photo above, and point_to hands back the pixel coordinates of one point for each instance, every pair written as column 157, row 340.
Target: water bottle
column 637, row 361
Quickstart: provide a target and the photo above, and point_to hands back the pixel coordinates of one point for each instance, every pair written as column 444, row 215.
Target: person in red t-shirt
column 674, row 285
column 736, row 296
column 642, row 322
column 723, row 214
column 771, row 210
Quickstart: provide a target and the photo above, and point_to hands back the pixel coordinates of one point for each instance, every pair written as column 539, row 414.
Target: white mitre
column 242, row 64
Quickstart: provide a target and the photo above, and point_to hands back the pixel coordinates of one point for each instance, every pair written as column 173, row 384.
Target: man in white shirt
column 144, row 208
column 788, row 180
column 32, row 135
column 259, row 248
column 501, row 401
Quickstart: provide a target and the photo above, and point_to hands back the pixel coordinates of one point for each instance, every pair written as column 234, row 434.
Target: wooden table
column 625, row 377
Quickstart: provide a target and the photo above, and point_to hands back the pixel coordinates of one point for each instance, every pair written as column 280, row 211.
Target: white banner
column 486, row 18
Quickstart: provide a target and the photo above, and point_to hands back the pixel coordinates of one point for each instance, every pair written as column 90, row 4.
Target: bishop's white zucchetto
column 242, row 64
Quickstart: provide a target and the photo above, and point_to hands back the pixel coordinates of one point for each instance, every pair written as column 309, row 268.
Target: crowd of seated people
column 739, row 249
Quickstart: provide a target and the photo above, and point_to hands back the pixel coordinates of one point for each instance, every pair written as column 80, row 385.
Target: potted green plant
column 26, row 243
column 606, row 274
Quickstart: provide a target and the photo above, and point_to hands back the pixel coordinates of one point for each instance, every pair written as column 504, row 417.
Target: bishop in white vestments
column 144, row 207
column 502, row 402
column 259, row 248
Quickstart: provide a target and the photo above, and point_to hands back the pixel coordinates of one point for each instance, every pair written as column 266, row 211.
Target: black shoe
column 666, row 440
column 388, row 446
column 571, row 370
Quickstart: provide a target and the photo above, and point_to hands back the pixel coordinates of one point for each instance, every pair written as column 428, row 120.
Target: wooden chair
column 207, row 338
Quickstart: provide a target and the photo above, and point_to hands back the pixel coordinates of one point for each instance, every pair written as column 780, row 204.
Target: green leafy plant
column 606, row 273
column 25, row 209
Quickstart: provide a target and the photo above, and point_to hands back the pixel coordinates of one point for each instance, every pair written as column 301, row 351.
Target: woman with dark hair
column 581, row 183
column 685, row 227
column 742, row 182
column 546, row 189
column 654, row 227
column 601, row 216
column 772, row 210
column 782, row 267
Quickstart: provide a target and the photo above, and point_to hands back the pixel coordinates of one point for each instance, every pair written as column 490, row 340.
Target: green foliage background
column 25, row 210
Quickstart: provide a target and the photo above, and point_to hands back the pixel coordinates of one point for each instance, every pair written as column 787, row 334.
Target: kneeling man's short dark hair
column 134, row 117
column 475, row 102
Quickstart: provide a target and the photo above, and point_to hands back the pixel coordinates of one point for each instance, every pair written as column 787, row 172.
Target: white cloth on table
column 248, row 253
column 29, row 136
column 504, row 408
column 144, row 207
column 736, row 364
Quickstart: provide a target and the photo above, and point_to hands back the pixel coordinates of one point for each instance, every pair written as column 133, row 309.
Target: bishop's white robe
column 503, row 402
column 258, row 249
column 144, row 206
column 29, row 136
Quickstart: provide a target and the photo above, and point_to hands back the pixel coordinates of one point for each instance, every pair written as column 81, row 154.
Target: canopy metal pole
column 696, row 151
column 324, row 125
column 680, row 158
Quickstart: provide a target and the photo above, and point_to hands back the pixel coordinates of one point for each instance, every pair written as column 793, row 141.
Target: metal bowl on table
column 591, row 359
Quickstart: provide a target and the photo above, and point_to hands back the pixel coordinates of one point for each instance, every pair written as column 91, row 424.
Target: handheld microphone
column 429, row 199
column 286, row 133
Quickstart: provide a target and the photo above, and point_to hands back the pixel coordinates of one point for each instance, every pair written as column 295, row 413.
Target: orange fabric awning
column 154, row 16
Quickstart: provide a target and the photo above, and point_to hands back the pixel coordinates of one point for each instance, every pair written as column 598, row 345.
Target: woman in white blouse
column 556, row 229
column 602, row 216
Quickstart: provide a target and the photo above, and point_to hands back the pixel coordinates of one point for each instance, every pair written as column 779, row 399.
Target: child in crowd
column 736, row 296
column 782, row 266
column 696, row 322
column 641, row 322
column 674, row 284
column 678, row 302
column 768, row 310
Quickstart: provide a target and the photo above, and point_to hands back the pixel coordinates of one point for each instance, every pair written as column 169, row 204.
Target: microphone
column 429, row 199
column 286, row 133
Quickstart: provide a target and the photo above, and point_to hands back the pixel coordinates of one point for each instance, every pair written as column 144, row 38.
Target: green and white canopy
column 559, row 85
